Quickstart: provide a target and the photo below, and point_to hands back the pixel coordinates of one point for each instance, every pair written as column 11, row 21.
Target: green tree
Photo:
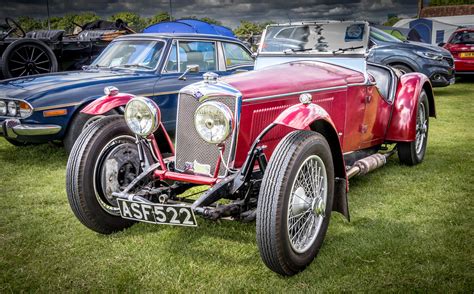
column 391, row 21
column 159, row 17
column 450, row 2
column 248, row 28
column 206, row 19
column 134, row 20
column 29, row 24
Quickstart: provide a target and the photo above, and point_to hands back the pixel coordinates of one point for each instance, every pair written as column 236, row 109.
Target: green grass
column 412, row 229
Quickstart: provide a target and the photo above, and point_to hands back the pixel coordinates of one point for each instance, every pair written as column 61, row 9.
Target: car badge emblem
column 197, row 94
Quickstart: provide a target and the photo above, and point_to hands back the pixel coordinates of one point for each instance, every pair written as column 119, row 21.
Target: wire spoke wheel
column 295, row 202
column 307, row 204
column 421, row 127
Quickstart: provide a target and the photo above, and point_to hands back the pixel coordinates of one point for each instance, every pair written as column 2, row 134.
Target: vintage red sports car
column 461, row 46
column 280, row 143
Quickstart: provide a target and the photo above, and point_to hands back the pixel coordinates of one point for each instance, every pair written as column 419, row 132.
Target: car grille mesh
column 190, row 146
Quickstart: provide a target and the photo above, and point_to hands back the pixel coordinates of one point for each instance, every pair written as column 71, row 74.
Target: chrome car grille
column 449, row 60
column 190, row 147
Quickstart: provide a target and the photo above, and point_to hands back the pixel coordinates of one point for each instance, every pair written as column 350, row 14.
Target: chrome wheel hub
column 307, row 204
column 421, row 128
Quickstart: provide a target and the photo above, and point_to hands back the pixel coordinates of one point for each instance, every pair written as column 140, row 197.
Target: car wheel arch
column 340, row 203
column 431, row 103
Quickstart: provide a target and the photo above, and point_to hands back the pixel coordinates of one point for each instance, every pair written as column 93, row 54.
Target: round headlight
column 25, row 109
column 142, row 116
column 3, row 108
column 12, row 108
column 213, row 122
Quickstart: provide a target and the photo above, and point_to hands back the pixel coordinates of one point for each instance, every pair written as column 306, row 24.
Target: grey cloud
column 230, row 12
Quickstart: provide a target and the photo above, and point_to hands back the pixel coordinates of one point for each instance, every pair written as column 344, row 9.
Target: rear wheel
column 104, row 160
column 295, row 202
column 411, row 153
column 27, row 57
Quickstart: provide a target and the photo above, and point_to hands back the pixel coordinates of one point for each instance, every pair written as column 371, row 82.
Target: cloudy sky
column 227, row 11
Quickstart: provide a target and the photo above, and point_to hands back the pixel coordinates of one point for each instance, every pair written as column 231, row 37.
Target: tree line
column 134, row 21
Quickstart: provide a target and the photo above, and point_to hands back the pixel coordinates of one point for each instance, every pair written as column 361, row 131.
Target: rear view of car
column 461, row 46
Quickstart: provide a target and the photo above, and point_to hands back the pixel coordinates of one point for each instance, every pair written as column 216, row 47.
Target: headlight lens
column 213, row 122
column 12, row 110
column 142, row 116
column 429, row 55
column 3, row 108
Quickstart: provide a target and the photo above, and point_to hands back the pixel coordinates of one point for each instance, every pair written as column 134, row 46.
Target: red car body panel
column 107, row 103
column 462, row 64
column 403, row 123
column 292, row 77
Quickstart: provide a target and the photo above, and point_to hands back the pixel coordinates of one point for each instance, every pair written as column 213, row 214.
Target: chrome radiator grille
column 190, row 147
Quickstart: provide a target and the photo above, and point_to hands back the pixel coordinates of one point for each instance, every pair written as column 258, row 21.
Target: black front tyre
column 295, row 202
column 412, row 153
column 104, row 160
column 78, row 124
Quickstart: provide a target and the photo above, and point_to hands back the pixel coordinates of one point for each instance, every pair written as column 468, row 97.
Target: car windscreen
column 325, row 38
column 464, row 37
column 132, row 54
column 380, row 35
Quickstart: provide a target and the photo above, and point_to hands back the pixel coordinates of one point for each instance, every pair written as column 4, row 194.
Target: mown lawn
column 412, row 229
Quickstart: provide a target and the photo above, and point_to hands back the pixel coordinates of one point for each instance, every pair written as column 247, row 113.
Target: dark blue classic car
column 47, row 107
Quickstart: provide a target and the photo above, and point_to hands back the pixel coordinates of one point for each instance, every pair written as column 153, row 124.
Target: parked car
column 44, row 51
column 407, row 56
column 47, row 107
column 280, row 143
column 461, row 46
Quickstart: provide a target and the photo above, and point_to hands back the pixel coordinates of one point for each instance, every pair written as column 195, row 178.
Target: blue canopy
column 189, row 26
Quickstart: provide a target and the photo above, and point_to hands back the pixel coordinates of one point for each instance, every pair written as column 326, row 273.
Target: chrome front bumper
column 13, row 128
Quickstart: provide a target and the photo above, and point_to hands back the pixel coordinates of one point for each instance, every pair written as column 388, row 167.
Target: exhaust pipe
column 368, row 164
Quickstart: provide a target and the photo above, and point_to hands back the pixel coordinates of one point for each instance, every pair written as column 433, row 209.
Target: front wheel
column 103, row 160
column 295, row 202
column 412, row 153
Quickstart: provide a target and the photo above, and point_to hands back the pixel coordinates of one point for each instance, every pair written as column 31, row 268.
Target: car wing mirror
column 189, row 68
column 441, row 44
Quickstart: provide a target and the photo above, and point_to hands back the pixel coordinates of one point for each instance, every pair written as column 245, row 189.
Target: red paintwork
column 292, row 77
column 403, row 123
column 107, row 103
column 461, row 64
column 173, row 176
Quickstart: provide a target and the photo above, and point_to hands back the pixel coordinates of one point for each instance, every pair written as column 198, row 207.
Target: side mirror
column 441, row 44
column 189, row 68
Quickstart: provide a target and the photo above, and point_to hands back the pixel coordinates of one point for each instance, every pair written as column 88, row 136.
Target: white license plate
column 177, row 215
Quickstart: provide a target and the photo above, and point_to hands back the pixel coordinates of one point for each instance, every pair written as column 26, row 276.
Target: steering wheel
column 14, row 26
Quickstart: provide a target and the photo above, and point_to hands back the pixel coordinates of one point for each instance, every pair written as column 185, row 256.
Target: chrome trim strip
column 307, row 91
column 36, row 130
column 56, row 106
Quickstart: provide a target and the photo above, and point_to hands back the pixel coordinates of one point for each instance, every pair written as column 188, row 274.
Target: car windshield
column 131, row 54
column 318, row 38
column 380, row 35
column 464, row 37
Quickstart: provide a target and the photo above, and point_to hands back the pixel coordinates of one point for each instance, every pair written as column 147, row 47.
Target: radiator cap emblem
column 210, row 77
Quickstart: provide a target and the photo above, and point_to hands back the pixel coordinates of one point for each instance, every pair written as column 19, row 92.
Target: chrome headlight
column 213, row 122
column 142, row 116
column 429, row 55
column 3, row 108
column 15, row 108
column 12, row 109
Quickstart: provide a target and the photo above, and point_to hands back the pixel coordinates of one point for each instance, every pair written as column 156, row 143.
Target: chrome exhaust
column 368, row 164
